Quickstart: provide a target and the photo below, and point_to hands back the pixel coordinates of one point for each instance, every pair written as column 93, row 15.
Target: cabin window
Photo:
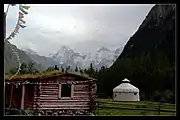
column 65, row 90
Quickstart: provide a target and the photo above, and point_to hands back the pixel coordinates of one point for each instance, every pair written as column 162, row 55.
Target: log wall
column 48, row 97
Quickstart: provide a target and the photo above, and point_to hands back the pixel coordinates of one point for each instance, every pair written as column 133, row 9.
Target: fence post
column 159, row 110
column 98, row 106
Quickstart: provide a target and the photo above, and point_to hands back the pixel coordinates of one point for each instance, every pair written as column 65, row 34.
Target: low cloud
column 84, row 28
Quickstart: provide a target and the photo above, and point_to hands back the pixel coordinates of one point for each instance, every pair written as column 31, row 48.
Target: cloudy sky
column 83, row 28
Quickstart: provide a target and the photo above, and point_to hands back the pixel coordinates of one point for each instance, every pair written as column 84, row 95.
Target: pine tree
column 68, row 67
column 91, row 67
column 62, row 69
column 91, row 70
column 76, row 70
column 81, row 71
column 23, row 69
column 85, row 70
column 56, row 67
column 31, row 67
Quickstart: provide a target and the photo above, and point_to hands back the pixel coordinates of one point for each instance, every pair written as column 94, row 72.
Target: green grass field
column 133, row 105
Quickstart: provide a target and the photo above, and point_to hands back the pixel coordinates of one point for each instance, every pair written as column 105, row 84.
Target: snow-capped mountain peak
column 103, row 49
column 103, row 57
column 65, row 48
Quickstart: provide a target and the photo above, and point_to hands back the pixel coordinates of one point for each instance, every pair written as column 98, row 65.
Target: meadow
column 141, row 108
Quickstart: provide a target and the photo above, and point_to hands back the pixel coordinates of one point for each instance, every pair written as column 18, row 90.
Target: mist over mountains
column 63, row 57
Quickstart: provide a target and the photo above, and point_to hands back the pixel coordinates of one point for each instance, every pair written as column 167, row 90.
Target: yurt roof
column 125, row 80
column 125, row 87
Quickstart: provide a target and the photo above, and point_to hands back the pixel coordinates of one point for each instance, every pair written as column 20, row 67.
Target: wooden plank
column 56, row 98
column 66, row 100
column 81, row 98
column 46, row 85
column 63, row 106
column 64, row 103
column 72, row 108
column 22, row 98
column 49, row 84
column 48, row 95
column 48, row 92
column 29, row 102
column 44, row 92
column 47, row 98
column 81, row 92
column 50, row 88
column 50, row 98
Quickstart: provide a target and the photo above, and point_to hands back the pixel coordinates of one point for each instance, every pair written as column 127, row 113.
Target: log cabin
column 50, row 91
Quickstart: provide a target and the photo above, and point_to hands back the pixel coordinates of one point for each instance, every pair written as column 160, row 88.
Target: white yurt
column 126, row 92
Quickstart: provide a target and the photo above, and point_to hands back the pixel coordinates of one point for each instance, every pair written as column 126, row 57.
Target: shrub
column 15, row 111
column 168, row 96
column 157, row 96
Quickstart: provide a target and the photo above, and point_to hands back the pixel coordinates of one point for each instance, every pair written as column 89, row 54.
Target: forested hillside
column 148, row 58
column 10, row 58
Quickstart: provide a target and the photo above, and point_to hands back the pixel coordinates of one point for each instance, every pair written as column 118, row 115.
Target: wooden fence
column 145, row 107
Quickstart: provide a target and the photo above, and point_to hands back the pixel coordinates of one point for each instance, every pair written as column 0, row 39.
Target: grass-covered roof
column 45, row 75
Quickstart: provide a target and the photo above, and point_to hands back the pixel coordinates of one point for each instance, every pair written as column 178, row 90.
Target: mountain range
column 103, row 57
column 63, row 57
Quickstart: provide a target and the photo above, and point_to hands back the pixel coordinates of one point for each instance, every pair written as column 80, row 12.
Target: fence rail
column 130, row 104
column 149, row 107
